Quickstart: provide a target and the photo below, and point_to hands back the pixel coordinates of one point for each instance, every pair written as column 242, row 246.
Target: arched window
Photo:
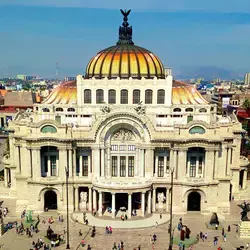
column 71, row 110
column 202, row 110
column 99, row 96
column 45, row 110
column 112, row 96
column 197, row 130
column 189, row 110
column 87, row 96
column 124, row 96
column 161, row 96
column 48, row 129
column 212, row 109
column 177, row 110
column 148, row 96
column 59, row 109
column 136, row 96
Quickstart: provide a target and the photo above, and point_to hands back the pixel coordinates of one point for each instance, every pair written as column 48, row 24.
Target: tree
column 246, row 104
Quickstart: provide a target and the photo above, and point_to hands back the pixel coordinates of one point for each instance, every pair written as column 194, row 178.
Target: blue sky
column 183, row 33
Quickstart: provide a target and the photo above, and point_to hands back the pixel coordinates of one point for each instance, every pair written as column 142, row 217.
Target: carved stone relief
column 123, row 135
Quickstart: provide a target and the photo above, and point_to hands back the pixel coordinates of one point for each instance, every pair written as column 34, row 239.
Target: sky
column 37, row 34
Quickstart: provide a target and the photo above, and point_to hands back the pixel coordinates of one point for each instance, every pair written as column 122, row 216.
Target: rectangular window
column 77, row 166
column 168, row 164
column 192, row 171
column 122, row 147
column 114, row 166
column 160, row 166
column 85, row 165
column 131, row 147
column 123, row 166
column 231, row 156
column 53, row 165
column 136, row 96
column 200, row 165
column 131, row 166
column 114, row 147
column 45, row 158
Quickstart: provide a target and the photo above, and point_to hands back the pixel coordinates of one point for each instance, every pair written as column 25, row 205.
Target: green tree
column 246, row 104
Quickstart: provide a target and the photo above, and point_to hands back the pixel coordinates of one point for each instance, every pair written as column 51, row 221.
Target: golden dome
column 125, row 59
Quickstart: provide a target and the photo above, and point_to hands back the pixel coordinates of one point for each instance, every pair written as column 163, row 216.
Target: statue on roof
column 125, row 31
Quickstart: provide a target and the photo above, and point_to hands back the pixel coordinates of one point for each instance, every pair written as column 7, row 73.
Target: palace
column 121, row 130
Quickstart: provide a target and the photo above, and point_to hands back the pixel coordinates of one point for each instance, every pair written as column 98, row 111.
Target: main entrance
column 194, row 202
column 50, row 200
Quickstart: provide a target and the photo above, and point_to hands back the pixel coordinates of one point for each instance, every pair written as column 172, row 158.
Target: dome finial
column 125, row 31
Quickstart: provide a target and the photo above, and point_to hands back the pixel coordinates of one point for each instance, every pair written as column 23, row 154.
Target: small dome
column 124, row 61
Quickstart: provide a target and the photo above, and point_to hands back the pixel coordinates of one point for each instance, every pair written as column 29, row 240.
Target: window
column 192, row 172
column 148, row 96
column 197, row 130
column 48, row 129
column 131, row 147
column 59, row 109
column 112, row 96
column 114, row 147
column 168, row 164
column 71, row 110
column 123, row 166
column 58, row 118
column 122, row 147
column 160, row 166
column 77, row 166
column 136, row 96
column 231, row 156
column 200, row 165
column 212, row 109
column 45, row 162
column 45, row 110
column 124, row 96
column 202, row 110
column 161, row 96
column 114, row 166
column 85, row 165
column 53, row 165
column 189, row 110
column 190, row 118
column 131, row 166
column 87, row 96
column 177, row 110
column 99, row 96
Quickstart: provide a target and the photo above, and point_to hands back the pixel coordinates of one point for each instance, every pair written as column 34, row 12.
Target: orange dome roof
column 65, row 93
column 124, row 61
column 182, row 93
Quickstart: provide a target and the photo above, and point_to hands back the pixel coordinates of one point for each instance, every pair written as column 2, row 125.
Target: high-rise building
column 247, row 78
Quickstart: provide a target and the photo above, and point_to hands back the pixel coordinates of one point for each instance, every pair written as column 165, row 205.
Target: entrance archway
column 194, row 202
column 50, row 200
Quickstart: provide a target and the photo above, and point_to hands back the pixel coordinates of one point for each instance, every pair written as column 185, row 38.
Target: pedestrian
column 89, row 247
column 225, row 237
column 183, row 247
column 228, row 228
column 160, row 216
column 206, row 236
column 180, row 245
column 191, row 247
column 247, row 246
column 222, row 231
column 156, row 224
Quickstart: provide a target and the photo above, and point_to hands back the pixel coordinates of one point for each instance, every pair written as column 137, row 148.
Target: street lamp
column 67, row 197
column 171, row 212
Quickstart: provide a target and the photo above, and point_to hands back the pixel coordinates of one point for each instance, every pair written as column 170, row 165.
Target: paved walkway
column 133, row 223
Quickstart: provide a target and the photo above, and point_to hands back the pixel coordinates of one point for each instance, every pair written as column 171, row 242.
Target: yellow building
column 121, row 129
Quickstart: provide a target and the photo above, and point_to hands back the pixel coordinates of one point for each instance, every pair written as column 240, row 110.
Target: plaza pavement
column 131, row 237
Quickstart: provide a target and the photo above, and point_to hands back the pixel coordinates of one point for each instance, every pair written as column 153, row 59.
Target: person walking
column 247, row 246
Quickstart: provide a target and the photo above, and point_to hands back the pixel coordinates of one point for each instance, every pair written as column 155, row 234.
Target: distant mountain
column 206, row 72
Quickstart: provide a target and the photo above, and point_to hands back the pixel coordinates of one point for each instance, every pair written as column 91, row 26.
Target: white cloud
column 154, row 5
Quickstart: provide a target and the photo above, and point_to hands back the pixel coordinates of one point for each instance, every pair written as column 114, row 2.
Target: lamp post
column 171, row 212
column 67, row 197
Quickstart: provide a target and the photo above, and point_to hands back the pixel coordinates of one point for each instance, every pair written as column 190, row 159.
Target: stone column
column 175, row 163
column 209, row 164
column 165, row 165
column 149, row 163
column 167, row 200
column 137, row 162
column 129, row 205
column 94, row 200
column 90, row 199
column 80, row 165
column 102, row 162
column 36, row 156
column 142, row 204
column 113, row 205
column 5, row 177
column 89, row 165
column 156, row 166
column 126, row 157
column 215, row 169
column 62, row 162
column 76, row 199
column 149, row 202
column 100, row 203
column 244, row 184
column 182, row 162
column 70, row 162
column 154, row 200
column 109, row 161
column 74, row 162
column 49, row 167
column 142, row 163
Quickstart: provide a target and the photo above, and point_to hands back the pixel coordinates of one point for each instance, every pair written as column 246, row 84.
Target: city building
column 120, row 130
column 247, row 79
